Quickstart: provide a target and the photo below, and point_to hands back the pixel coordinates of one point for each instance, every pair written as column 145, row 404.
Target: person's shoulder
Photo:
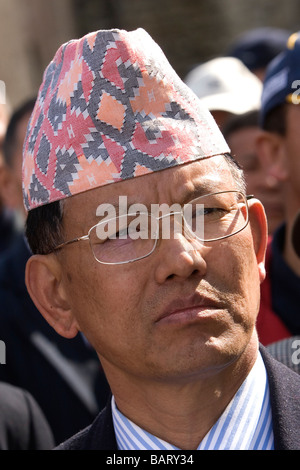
column 14, row 400
column 284, row 388
column 99, row 435
column 76, row 442
column 287, row 351
column 23, row 425
column 280, row 375
column 12, row 264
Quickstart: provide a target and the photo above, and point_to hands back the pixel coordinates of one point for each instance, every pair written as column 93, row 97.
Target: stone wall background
column 189, row 31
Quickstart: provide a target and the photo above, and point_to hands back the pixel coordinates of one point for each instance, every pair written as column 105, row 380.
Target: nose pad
column 179, row 227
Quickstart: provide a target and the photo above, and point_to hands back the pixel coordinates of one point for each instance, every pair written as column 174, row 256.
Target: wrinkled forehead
column 179, row 184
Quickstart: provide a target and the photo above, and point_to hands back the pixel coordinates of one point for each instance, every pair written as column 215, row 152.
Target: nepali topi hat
column 110, row 108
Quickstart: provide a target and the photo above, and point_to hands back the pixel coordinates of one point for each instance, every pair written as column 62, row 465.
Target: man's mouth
column 186, row 309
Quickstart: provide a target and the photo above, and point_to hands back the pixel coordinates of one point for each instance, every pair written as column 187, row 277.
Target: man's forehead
column 206, row 175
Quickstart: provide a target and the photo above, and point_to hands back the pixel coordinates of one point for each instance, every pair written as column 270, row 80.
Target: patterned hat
column 111, row 108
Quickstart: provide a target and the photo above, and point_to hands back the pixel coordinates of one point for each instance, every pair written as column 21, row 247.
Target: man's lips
column 187, row 309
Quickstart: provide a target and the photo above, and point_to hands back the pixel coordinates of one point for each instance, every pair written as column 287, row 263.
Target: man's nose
column 180, row 257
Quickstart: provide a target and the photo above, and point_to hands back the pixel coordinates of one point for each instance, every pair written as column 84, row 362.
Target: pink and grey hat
column 110, row 108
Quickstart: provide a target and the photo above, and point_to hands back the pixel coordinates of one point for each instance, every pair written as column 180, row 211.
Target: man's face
column 3, row 126
column 292, row 146
column 11, row 186
column 3, row 122
column 188, row 308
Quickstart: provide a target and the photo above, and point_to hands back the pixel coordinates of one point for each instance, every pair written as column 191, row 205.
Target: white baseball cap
column 226, row 84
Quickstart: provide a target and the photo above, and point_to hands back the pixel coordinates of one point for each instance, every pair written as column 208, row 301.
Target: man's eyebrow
column 119, row 208
column 200, row 189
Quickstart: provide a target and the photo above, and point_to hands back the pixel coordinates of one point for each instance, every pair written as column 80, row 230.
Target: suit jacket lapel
column 284, row 387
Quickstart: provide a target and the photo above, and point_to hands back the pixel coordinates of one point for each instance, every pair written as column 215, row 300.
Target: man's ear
column 259, row 229
column 270, row 148
column 44, row 283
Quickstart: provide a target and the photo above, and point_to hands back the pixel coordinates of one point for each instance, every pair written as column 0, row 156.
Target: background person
column 11, row 170
column 241, row 133
column 287, row 350
column 257, row 47
column 7, row 227
column 226, row 87
column 65, row 377
column 278, row 149
column 22, row 423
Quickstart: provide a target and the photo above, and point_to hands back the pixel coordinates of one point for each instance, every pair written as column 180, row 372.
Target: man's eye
column 211, row 212
column 215, row 211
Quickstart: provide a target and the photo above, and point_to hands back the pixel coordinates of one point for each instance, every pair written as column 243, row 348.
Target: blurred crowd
column 248, row 91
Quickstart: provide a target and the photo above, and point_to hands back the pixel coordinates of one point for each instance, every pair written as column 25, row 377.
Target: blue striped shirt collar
column 246, row 423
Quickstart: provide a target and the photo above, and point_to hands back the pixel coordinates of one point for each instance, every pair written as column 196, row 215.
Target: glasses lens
column 123, row 239
column 215, row 216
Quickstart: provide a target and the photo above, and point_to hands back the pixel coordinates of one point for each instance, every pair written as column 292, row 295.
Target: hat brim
column 238, row 104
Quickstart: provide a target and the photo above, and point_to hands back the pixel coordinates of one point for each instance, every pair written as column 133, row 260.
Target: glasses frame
column 87, row 236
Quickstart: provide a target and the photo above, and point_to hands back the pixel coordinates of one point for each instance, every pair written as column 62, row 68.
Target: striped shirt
column 246, row 423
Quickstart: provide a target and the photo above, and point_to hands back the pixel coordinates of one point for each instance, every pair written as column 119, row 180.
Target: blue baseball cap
column 282, row 80
column 257, row 47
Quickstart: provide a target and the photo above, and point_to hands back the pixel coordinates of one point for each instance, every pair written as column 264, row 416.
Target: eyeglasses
column 133, row 236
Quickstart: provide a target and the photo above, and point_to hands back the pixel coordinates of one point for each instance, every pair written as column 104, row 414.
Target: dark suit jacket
column 285, row 402
column 22, row 424
column 63, row 375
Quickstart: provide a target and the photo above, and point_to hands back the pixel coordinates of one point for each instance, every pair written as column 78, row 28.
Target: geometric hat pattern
column 111, row 107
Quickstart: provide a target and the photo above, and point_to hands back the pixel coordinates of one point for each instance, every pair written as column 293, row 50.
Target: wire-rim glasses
column 133, row 236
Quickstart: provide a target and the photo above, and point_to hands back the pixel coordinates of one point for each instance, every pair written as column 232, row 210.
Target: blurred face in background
column 264, row 187
column 3, row 121
column 3, row 126
column 11, row 174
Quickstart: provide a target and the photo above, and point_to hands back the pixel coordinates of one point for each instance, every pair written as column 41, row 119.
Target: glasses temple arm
column 85, row 237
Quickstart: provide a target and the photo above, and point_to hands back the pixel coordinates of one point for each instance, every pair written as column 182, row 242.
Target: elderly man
column 7, row 228
column 144, row 240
